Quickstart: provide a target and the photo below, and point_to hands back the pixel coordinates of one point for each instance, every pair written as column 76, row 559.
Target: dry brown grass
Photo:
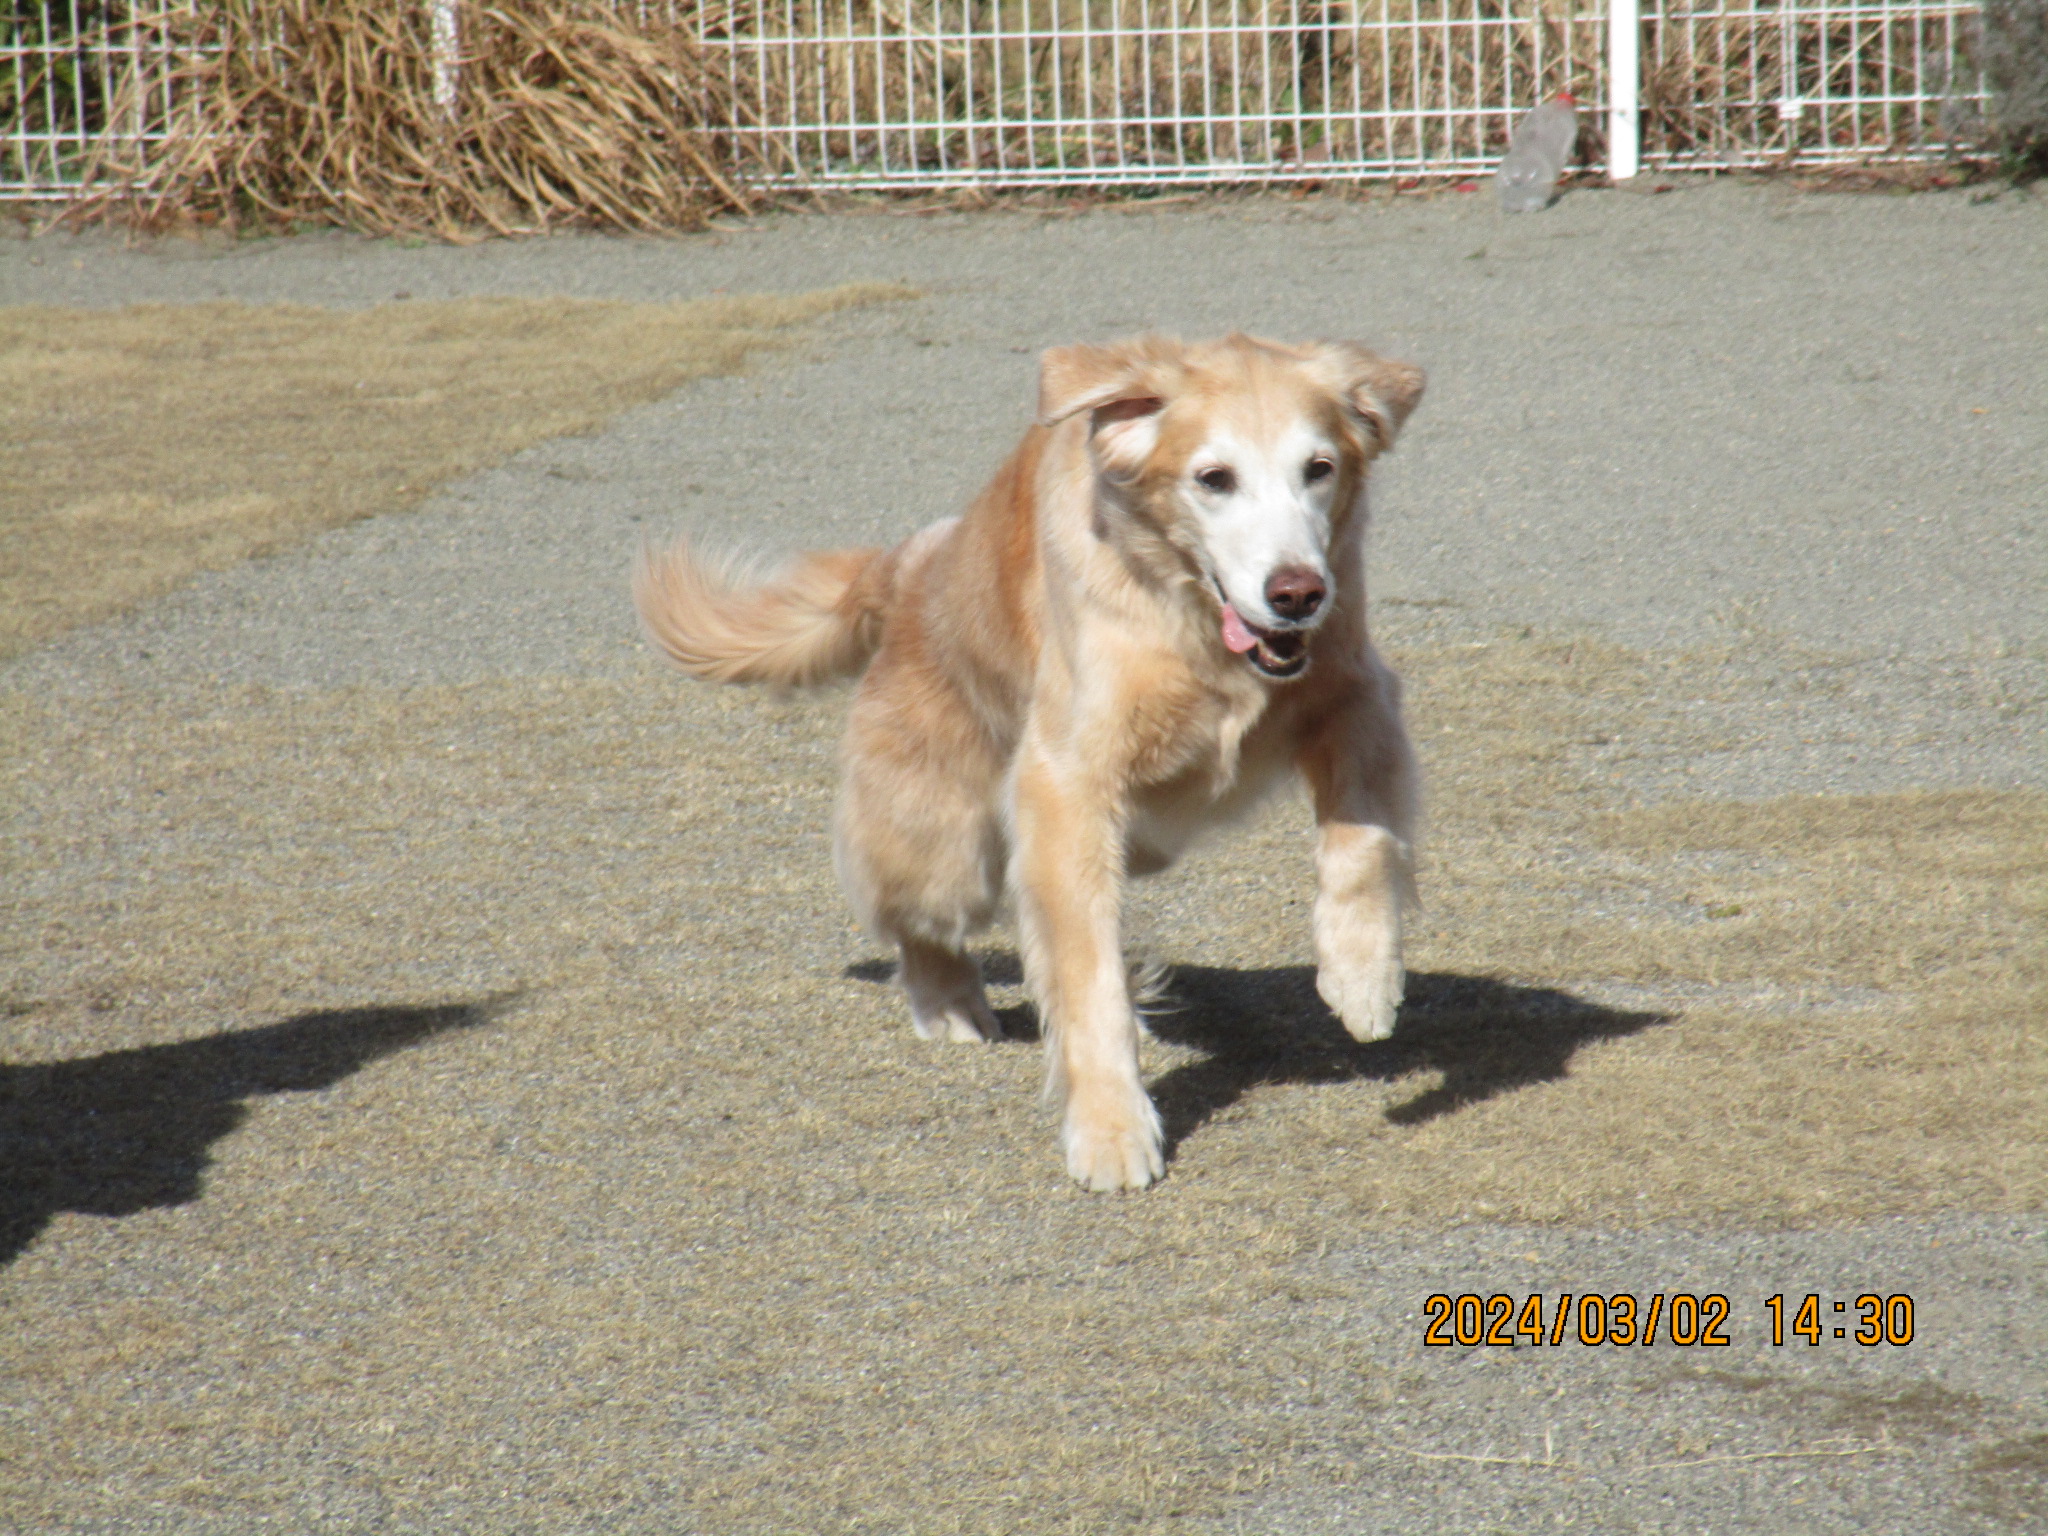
column 702, row 1161
column 1909, row 894
column 1852, row 979
column 691, row 1232
column 140, row 445
column 563, row 112
column 1785, row 1011
column 864, row 1241
column 1754, row 1012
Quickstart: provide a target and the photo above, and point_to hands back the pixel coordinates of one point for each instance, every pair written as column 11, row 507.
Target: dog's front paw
column 1114, row 1143
column 1365, row 997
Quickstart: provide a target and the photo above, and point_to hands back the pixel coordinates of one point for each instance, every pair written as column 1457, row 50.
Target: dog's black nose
column 1294, row 592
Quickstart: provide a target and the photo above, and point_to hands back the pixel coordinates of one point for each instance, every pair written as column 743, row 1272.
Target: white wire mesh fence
column 61, row 66
column 935, row 93
column 1745, row 84
column 1010, row 92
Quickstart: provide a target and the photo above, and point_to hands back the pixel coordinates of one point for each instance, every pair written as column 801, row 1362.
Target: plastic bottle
column 1543, row 143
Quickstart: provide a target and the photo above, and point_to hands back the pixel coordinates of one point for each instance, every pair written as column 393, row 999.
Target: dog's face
column 1246, row 458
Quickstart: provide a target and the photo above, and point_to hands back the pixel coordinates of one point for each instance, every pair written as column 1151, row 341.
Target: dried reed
column 544, row 113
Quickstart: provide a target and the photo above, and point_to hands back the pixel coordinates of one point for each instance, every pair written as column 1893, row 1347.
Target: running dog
column 1154, row 612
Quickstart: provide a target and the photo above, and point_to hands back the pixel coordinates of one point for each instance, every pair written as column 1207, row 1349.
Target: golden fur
column 1065, row 684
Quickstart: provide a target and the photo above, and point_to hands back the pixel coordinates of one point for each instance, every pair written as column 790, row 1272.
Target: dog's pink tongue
column 1235, row 635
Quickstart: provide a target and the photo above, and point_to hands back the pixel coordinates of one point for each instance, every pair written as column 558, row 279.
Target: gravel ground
column 1792, row 431
column 1726, row 410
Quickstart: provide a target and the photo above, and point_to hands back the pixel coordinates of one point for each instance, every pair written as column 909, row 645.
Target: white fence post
column 447, row 55
column 1624, row 87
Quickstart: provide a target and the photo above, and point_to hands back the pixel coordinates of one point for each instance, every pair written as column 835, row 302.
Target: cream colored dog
column 1153, row 613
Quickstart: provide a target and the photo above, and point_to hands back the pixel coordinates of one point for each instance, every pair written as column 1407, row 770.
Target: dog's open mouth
column 1275, row 652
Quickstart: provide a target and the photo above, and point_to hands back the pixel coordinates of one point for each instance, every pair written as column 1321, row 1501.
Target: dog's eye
column 1217, row 479
column 1319, row 468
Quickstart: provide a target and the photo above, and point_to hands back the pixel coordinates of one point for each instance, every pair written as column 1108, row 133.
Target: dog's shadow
column 133, row 1130
column 1256, row 1027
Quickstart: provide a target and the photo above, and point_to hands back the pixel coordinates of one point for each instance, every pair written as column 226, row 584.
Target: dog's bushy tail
column 819, row 619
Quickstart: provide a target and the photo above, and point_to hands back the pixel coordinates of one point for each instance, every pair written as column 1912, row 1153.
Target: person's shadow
column 114, row 1134
column 1485, row 1037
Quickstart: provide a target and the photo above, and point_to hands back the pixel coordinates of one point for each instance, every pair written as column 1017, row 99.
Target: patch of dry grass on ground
column 1808, row 1009
column 1867, row 966
column 140, row 445
column 679, row 1152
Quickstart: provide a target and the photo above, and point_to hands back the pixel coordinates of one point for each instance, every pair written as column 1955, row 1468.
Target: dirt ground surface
column 141, row 444
column 443, row 1089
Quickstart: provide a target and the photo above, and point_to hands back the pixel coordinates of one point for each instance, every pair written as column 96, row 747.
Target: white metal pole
column 447, row 55
column 1624, row 86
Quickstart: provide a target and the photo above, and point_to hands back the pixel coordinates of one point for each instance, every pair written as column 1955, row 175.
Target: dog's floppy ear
column 1381, row 391
column 1085, row 378
column 1122, row 388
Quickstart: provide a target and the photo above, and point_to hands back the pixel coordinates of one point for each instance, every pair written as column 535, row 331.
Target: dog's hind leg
column 919, row 844
column 946, row 997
